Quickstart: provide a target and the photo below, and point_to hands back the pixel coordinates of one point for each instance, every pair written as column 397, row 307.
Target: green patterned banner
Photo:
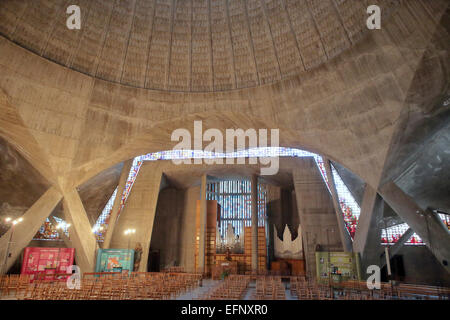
column 114, row 260
column 337, row 266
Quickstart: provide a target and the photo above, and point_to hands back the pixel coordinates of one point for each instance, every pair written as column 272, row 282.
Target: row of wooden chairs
column 304, row 288
column 13, row 283
column 106, row 287
column 389, row 291
column 269, row 288
column 174, row 269
column 409, row 291
column 233, row 287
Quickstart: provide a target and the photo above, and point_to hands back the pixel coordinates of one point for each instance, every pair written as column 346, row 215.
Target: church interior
column 125, row 172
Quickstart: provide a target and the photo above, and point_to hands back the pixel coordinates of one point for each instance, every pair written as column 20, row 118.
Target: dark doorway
column 397, row 269
column 153, row 261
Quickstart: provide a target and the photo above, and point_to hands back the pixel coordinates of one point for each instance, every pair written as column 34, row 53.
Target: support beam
column 24, row 232
column 368, row 230
column 139, row 212
column 425, row 223
column 202, row 235
column 316, row 212
column 81, row 234
column 343, row 232
column 254, row 199
column 116, row 206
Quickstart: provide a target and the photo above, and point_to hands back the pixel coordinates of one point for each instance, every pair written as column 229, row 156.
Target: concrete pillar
column 343, row 232
column 367, row 240
column 83, row 240
column 424, row 222
column 189, row 230
column 202, row 235
column 254, row 198
column 116, row 206
column 139, row 212
column 316, row 212
column 24, row 232
column 368, row 231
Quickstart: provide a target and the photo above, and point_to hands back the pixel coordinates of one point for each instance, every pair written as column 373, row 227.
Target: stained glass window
column 63, row 224
column 101, row 225
column 47, row 232
column 235, row 199
column 445, row 219
column 391, row 235
column 350, row 208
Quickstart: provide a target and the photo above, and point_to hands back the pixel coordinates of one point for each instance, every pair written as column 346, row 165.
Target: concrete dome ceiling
column 189, row 45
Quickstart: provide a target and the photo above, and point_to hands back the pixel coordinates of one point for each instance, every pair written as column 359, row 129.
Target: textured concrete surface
column 426, row 223
column 21, row 184
column 377, row 105
column 187, row 244
column 190, row 46
column 24, row 232
column 167, row 227
column 424, row 270
column 316, row 211
column 346, row 109
column 139, row 213
column 117, row 203
column 96, row 192
column 81, row 234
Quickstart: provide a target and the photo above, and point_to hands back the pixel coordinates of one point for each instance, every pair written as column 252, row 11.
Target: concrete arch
column 346, row 109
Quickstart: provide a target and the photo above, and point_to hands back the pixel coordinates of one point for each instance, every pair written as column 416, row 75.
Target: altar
column 224, row 266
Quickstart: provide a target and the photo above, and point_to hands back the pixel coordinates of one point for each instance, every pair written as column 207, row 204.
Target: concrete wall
column 73, row 126
column 421, row 267
column 316, row 212
column 139, row 212
column 167, row 227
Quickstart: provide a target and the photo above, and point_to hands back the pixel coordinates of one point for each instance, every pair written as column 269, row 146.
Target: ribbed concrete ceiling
column 189, row 45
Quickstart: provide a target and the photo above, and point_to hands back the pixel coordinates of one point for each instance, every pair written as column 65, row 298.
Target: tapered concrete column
column 81, row 234
column 254, row 198
column 368, row 231
column 116, row 206
column 24, row 232
column 425, row 223
column 202, row 235
column 316, row 212
column 139, row 212
column 343, row 232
